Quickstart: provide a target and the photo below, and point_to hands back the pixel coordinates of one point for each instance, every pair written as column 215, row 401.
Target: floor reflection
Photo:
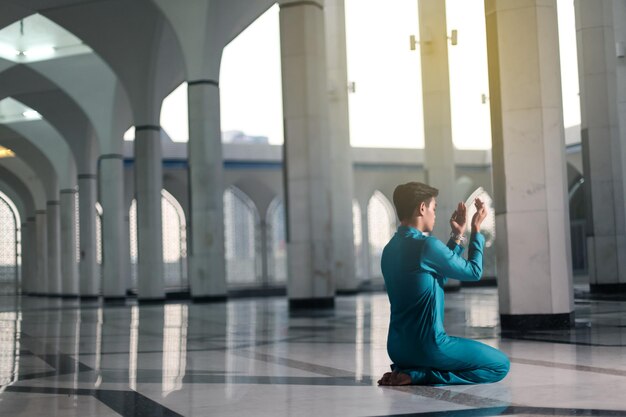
column 255, row 357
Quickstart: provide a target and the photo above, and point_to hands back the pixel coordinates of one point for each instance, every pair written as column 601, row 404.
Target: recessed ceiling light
column 31, row 114
column 39, row 51
column 7, row 50
column 6, row 152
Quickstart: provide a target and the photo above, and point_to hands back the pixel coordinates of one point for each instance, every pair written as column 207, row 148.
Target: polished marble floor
column 251, row 357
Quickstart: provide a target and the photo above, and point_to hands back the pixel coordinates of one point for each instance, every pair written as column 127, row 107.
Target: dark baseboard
column 311, row 303
column 608, row 289
column 118, row 301
column 347, row 292
column 526, row 322
column 210, row 299
column 178, row 295
column 68, row 296
column 484, row 282
column 151, row 301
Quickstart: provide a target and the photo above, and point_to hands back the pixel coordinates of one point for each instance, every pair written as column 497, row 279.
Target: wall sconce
column 454, row 37
column 454, row 40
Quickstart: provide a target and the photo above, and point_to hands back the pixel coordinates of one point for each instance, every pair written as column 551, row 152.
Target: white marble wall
column 532, row 214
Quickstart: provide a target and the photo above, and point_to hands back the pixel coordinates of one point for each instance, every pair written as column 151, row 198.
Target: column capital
column 87, row 177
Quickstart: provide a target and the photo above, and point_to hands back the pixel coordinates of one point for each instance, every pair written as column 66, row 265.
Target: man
column 415, row 268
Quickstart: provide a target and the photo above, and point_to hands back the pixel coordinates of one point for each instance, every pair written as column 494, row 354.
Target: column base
column 523, row 322
column 609, row 289
column 311, row 303
column 209, row 299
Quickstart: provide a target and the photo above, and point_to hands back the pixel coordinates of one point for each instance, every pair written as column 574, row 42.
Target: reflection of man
column 415, row 267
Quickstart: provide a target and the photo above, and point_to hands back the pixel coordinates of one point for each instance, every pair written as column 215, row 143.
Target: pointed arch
column 174, row 243
column 381, row 224
column 242, row 239
column 9, row 246
column 276, row 242
column 359, row 247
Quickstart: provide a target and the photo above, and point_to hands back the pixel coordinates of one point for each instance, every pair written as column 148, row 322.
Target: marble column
column 207, row 265
column 602, row 77
column 439, row 148
column 344, row 270
column 69, row 265
column 112, row 200
column 531, row 201
column 148, row 185
column 89, row 277
column 53, row 223
column 307, row 162
column 41, row 283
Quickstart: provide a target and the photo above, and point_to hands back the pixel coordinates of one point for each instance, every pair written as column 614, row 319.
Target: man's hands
column 459, row 219
column 479, row 216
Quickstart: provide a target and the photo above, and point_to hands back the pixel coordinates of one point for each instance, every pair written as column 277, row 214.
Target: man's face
column 429, row 214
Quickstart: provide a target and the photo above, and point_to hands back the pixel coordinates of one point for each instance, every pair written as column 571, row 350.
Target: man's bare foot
column 385, row 379
column 395, row 378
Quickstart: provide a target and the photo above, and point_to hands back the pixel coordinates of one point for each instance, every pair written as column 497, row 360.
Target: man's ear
column 421, row 209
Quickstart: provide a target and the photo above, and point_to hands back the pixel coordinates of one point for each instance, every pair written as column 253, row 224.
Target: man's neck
column 415, row 223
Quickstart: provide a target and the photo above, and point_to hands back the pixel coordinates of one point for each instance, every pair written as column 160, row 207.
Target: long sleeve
column 454, row 247
column 445, row 262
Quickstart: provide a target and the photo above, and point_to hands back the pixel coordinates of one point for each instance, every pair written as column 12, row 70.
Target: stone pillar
column 439, row 148
column 602, row 78
column 112, row 200
column 33, row 255
column 531, row 201
column 27, row 248
column 89, row 282
column 41, row 283
column 53, row 223
column 307, row 161
column 341, row 162
column 69, row 266
column 148, row 185
column 207, row 264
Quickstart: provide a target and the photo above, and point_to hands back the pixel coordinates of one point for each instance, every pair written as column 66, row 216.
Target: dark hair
column 407, row 197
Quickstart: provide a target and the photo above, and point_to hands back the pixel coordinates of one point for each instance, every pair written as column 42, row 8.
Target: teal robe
column 415, row 268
